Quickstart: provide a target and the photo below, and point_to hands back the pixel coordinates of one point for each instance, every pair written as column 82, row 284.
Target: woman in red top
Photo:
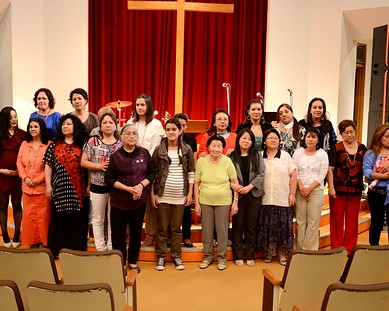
column 11, row 137
column 345, row 185
column 221, row 125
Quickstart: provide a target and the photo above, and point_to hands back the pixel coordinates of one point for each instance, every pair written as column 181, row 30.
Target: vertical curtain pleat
column 133, row 52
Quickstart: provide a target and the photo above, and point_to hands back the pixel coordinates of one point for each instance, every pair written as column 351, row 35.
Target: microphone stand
column 290, row 97
column 228, row 90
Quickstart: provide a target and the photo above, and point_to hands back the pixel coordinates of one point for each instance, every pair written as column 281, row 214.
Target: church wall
column 5, row 59
column 323, row 56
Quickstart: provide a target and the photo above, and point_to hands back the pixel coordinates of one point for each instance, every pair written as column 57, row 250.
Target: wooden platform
column 195, row 254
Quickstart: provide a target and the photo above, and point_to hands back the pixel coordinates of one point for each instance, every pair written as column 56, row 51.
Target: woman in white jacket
column 312, row 168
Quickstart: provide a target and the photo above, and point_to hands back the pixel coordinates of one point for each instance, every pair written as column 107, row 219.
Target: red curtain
column 133, row 52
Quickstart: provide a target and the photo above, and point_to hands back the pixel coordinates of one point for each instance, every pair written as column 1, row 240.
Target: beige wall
column 49, row 48
column 310, row 49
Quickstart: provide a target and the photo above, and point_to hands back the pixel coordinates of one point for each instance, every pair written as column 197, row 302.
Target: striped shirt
column 173, row 191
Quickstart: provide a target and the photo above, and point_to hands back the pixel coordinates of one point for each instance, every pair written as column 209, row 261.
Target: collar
column 278, row 154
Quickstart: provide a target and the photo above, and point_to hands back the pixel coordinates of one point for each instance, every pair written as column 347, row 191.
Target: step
column 195, row 254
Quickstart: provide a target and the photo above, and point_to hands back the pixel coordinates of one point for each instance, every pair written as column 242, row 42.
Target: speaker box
column 379, row 81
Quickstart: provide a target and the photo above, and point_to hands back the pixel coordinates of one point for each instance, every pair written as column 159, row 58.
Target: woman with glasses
column 345, row 186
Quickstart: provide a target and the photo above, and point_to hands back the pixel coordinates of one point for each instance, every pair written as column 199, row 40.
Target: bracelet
column 142, row 184
column 236, row 199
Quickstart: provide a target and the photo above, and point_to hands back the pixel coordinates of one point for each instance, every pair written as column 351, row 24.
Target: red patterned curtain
column 133, row 52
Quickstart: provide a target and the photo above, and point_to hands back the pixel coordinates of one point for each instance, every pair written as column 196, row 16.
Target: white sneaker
column 160, row 264
column 222, row 265
column 177, row 262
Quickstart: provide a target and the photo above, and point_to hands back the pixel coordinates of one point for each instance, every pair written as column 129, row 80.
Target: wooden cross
column 181, row 7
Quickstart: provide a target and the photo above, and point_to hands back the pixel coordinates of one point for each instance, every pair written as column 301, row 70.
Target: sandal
column 239, row 262
column 250, row 263
column 268, row 259
column 283, row 262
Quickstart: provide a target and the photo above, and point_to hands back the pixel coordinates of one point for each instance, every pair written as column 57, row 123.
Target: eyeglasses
column 349, row 133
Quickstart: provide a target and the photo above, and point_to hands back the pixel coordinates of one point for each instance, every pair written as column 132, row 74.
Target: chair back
column 341, row 296
column 367, row 265
column 25, row 265
column 307, row 276
column 10, row 296
column 58, row 297
column 79, row 267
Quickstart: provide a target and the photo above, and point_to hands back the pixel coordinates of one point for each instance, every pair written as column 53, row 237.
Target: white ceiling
column 362, row 22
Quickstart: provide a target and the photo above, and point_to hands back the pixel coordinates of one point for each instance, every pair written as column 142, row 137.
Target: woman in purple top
column 131, row 169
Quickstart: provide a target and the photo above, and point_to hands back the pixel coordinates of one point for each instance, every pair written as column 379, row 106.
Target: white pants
column 101, row 206
column 308, row 213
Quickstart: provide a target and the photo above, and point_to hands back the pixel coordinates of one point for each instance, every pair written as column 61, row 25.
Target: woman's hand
column 154, row 200
column 135, row 194
column 292, row 199
column 102, row 166
column 7, row 172
column 29, row 182
column 49, row 192
column 384, row 166
column 236, row 187
column 305, row 191
column 188, row 199
column 234, row 207
column 245, row 190
column 198, row 209
column 332, row 192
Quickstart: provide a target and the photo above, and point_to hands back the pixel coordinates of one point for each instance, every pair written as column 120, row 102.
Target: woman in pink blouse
column 36, row 206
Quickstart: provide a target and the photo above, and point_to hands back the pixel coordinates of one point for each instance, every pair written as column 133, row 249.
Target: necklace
column 347, row 153
column 45, row 115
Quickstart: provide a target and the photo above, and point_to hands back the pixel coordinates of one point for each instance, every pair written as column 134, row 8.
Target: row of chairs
column 311, row 275
column 90, row 281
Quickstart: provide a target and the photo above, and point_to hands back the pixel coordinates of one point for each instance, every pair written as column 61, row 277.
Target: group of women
column 262, row 175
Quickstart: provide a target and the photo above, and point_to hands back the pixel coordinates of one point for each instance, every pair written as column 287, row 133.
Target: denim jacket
column 161, row 159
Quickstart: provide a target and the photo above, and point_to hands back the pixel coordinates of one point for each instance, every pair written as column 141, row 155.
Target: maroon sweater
column 129, row 168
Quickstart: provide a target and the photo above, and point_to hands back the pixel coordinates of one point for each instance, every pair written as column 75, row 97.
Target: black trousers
column 378, row 210
column 119, row 220
column 244, row 227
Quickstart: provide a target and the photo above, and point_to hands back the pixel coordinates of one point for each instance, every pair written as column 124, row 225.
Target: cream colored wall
column 49, row 48
column 310, row 48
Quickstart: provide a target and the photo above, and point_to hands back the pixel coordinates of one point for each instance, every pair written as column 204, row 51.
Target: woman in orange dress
column 36, row 206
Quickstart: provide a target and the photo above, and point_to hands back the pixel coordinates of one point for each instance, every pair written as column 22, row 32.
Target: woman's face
column 34, row 129
column 285, row 115
column 255, row 111
column 311, row 140
column 107, row 125
column 172, row 132
column 129, row 137
column 316, row 110
column 385, row 139
column 141, row 107
column 348, row 134
column 78, row 101
column 43, row 101
column 13, row 119
column 221, row 122
column 215, row 149
column 272, row 141
column 184, row 125
column 67, row 127
column 245, row 141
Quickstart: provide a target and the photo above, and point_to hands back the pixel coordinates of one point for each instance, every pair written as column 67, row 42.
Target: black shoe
column 177, row 262
column 135, row 267
column 160, row 264
column 188, row 243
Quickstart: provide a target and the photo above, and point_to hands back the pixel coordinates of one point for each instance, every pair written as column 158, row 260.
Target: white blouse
column 311, row 168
